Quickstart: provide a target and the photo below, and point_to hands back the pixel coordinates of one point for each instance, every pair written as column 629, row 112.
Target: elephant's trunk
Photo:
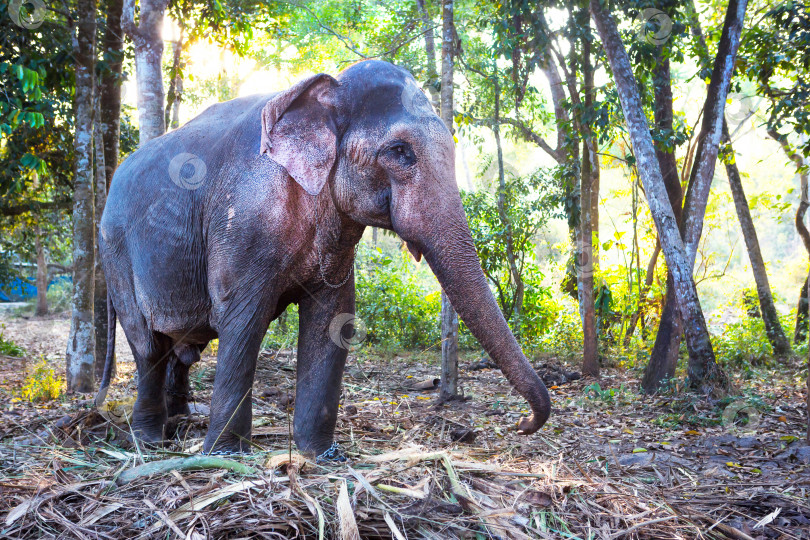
column 451, row 254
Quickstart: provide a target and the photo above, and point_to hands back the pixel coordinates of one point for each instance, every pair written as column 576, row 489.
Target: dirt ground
column 609, row 464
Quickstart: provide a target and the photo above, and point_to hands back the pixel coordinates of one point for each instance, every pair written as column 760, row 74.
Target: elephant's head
column 388, row 160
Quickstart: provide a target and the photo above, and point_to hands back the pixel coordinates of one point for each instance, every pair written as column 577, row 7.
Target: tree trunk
column 110, row 86
column 42, row 275
column 517, row 301
column 81, row 342
column 449, row 382
column 773, row 328
column 648, row 281
column 697, row 196
column 649, row 171
column 701, row 362
column 146, row 36
column 586, row 268
column 667, row 346
column 109, row 122
column 800, row 334
column 175, row 93
column 430, row 53
column 100, row 283
column 802, row 314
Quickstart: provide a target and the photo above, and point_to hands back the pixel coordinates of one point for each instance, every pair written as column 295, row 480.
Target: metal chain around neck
column 320, row 263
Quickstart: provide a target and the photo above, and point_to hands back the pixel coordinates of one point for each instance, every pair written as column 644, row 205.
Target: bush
column 283, row 332
column 743, row 344
column 399, row 310
column 8, row 347
column 564, row 332
column 42, row 384
column 59, row 296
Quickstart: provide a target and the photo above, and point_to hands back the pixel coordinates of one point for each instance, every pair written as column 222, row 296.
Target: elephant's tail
column 109, row 361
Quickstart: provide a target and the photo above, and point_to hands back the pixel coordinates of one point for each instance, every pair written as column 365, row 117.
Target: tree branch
column 33, row 206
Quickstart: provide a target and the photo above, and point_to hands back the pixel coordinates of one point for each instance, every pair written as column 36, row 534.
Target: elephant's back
column 187, row 163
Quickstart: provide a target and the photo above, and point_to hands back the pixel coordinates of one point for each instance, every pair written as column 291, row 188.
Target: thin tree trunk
column 773, row 328
column 110, row 86
column 586, row 268
column 175, row 94
column 109, row 122
column 100, row 295
column 667, row 346
column 697, row 332
column 430, row 53
column 42, row 275
column 802, row 315
column 517, row 303
column 81, row 342
column 449, row 380
column 648, row 281
column 146, row 36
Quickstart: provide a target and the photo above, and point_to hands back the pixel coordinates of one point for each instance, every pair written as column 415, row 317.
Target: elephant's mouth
column 414, row 251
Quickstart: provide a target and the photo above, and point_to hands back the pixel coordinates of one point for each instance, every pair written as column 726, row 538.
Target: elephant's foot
column 217, row 442
column 149, row 430
column 177, row 403
column 321, row 448
column 333, row 454
column 148, row 423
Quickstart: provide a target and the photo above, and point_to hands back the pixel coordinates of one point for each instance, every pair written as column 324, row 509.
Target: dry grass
column 607, row 466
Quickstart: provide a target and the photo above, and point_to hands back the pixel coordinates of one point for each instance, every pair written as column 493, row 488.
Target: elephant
column 213, row 229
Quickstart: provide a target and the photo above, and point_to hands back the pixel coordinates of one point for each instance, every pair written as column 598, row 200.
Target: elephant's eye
column 402, row 153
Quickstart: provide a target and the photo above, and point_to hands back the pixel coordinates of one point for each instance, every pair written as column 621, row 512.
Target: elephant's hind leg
column 178, row 389
column 149, row 414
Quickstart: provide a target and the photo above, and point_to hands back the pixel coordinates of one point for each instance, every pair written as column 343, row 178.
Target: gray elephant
column 213, row 229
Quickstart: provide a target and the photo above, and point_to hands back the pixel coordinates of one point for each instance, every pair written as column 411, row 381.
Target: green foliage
column 8, row 347
column 743, row 344
column 594, row 395
column 283, row 332
column 395, row 304
column 563, row 336
column 525, row 206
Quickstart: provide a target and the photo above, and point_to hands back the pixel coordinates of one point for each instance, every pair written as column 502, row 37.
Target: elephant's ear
column 299, row 131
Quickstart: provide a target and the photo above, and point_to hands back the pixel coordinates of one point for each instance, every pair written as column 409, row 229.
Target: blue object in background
column 20, row 290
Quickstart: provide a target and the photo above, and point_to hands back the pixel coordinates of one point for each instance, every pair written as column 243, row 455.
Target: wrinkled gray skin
column 288, row 175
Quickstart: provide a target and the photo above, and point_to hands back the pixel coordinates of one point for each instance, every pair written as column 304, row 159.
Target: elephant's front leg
column 325, row 331
column 231, row 402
